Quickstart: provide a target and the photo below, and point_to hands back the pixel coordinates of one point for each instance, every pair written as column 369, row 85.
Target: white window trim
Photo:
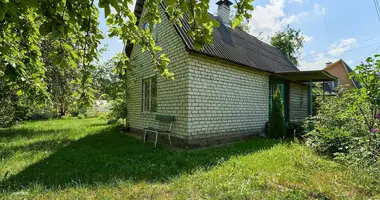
column 145, row 80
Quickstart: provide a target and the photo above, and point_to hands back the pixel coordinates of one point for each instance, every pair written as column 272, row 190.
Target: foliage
column 116, row 88
column 347, row 125
column 243, row 26
column 7, row 105
column 106, row 81
column 289, row 42
column 72, row 28
column 81, row 116
column 119, row 109
column 86, row 159
column 294, row 129
column 277, row 128
column 58, row 77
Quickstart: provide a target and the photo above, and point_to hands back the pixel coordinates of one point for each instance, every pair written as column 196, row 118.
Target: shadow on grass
column 108, row 155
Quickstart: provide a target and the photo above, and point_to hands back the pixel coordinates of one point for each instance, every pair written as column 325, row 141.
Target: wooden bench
column 168, row 120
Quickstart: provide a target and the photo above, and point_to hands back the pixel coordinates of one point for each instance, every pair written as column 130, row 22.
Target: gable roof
column 348, row 70
column 356, row 83
column 234, row 45
column 239, row 47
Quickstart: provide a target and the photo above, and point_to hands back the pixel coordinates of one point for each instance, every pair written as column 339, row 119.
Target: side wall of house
column 298, row 102
column 226, row 100
column 338, row 70
column 172, row 96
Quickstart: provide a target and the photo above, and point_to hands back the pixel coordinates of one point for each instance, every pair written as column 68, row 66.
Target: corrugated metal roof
column 234, row 45
column 239, row 47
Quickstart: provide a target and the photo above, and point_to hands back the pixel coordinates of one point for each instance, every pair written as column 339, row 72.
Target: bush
column 277, row 127
column 81, row 116
column 7, row 114
column 294, row 129
column 118, row 111
column 341, row 131
column 347, row 127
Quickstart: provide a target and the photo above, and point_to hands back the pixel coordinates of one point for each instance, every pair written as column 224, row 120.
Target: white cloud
column 318, row 10
column 343, row 46
column 265, row 21
column 315, row 61
column 271, row 18
column 291, row 19
column 312, row 51
column 307, row 38
column 295, row 1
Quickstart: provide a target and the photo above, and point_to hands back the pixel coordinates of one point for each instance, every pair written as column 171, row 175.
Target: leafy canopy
column 72, row 25
column 289, row 42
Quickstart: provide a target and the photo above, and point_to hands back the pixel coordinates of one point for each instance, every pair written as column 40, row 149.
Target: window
column 149, row 95
column 153, row 31
column 334, row 84
column 146, row 26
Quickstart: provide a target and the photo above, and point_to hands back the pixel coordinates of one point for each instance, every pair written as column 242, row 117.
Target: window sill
column 148, row 113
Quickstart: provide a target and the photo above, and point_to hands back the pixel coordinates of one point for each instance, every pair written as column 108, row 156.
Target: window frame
column 149, row 80
column 153, row 30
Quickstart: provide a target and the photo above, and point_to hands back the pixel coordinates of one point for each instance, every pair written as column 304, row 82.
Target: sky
column 333, row 29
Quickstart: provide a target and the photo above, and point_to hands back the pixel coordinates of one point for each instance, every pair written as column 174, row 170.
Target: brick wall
column 298, row 102
column 172, row 96
column 225, row 99
column 209, row 97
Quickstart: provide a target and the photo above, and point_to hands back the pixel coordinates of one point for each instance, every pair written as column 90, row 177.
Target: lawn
column 86, row 159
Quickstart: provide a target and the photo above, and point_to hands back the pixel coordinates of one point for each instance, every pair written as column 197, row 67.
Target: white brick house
column 221, row 92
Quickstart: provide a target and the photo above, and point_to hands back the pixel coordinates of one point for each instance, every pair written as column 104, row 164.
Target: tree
column 107, row 83
column 58, row 78
column 289, row 42
column 117, row 88
column 243, row 26
column 73, row 26
column 277, row 127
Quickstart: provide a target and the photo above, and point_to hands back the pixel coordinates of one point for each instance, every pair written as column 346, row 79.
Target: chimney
column 224, row 10
column 328, row 63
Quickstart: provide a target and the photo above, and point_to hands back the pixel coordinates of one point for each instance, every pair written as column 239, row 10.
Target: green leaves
column 20, row 93
column 289, row 42
column 71, row 27
column 3, row 10
column 243, row 9
column 236, row 22
column 45, row 29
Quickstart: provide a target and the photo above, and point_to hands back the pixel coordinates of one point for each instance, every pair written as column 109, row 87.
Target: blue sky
column 333, row 29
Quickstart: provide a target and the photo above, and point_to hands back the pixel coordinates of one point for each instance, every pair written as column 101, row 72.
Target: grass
column 86, row 159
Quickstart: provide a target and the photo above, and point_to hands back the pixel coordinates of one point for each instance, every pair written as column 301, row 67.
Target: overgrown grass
column 71, row 159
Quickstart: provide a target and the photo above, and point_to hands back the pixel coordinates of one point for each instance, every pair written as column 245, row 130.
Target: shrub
column 81, row 116
column 294, row 129
column 7, row 112
column 118, row 111
column 341, row 131
column 347, row 127
column 277, row 127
